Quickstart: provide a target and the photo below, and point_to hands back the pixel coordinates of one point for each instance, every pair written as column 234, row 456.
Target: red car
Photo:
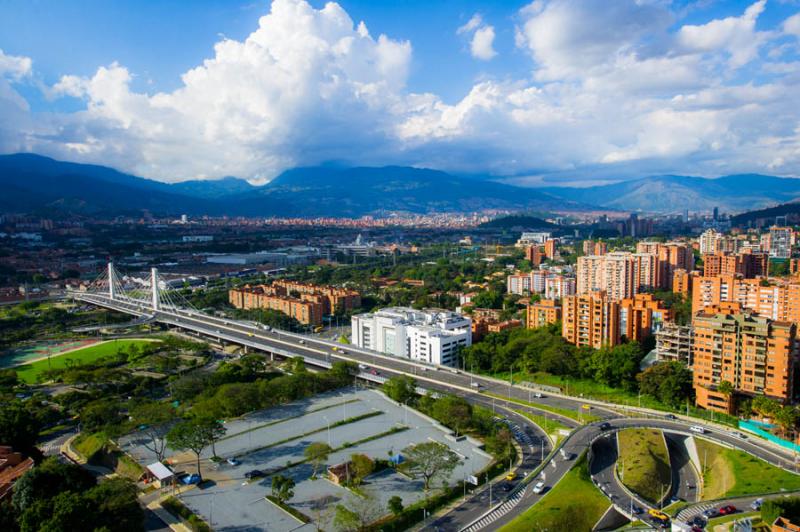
column 727, row 510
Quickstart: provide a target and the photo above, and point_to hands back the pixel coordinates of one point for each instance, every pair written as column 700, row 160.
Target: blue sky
column 549, row 90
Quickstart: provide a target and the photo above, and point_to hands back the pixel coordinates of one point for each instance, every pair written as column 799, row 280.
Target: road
column 473, row 387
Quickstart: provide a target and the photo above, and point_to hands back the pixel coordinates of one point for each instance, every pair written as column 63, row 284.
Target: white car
column 538, row 488
column 698, row 429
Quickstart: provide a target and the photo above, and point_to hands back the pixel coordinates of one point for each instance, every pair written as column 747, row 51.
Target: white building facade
column 432, row 336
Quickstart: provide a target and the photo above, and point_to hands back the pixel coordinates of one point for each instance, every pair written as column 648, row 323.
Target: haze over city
column 560, row 91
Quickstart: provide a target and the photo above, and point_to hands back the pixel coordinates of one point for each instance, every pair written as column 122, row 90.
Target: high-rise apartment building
column 617, row 274
column 534, row 255
column 591, row 247
column 755, row 354
column 641, row 316
column 543, row 313
column 590, row 319
column 682, row 282
column 780, row 242
column 550, row 248
column 777, row 299
column 709, row 242
column 557, row 286
column 518, row 283
column 671, row 256
column 749, row 265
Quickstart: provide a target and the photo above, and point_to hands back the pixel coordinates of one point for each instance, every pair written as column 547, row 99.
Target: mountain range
column 674, row 193
column 33, row 183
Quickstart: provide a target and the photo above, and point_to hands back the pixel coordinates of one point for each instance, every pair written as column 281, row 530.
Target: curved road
column 322, row 353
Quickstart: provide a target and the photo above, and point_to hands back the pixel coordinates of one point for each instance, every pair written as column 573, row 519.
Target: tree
column 669, row 382
column 430, row 460
column 725, row 388
column 317, row 453
column 361, row 466
column 100, row 414
column 47, row 480
column 195, row 435
column 282, row 488
column 395, row 504
column 19, row 428
column 401, row 388
column 153, row 418
column 500, row 445
column 455, row 412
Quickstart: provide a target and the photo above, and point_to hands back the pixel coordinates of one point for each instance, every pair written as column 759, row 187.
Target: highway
column 475, row 513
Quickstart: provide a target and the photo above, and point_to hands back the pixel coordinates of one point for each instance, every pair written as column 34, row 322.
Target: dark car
column 727, row 510
column 711, row 512
column 671, row 416
column 605, row 426
column 255, row 473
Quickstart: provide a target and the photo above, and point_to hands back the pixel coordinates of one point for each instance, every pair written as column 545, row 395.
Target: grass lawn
column 730, row 473
column 30, row 373
column 551, row 427
column 644, row 463
column 730, row 518
column 573, row 504
column 594, row 390
column 571, row 414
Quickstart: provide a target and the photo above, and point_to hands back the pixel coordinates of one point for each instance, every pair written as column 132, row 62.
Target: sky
column 543, row 92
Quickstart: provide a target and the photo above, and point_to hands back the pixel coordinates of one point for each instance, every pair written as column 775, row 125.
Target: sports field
column 30, row 372
column 43, row 350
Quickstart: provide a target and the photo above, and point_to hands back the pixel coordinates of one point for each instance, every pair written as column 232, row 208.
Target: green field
column 30, row 373
column 573, row 504
column 643, row 465
column 730, row 473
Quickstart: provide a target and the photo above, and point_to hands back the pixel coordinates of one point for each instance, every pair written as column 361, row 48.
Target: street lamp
column 329, row 429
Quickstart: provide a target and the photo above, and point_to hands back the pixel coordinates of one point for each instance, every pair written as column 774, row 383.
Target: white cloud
column 620, row 86
column 791, row 25
column 305, row 87
column 482, row 42
column 15, row 67
column 735, row 35
column 472, row 24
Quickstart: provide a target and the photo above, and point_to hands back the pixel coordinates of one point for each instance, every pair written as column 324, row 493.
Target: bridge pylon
column 154, row 288
column 111, row 277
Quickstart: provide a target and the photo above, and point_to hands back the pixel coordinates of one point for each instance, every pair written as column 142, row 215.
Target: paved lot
column 270, row 439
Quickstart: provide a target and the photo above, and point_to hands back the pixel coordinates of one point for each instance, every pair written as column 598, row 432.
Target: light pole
column 329, row 429
column 405, row 404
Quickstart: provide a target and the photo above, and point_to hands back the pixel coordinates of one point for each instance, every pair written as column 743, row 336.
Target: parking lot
column 272, row 439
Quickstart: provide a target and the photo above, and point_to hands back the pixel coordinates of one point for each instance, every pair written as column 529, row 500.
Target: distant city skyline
column 553, row 92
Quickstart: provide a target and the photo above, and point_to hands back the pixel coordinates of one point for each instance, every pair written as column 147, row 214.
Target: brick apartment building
column 754, row 353
column 777, row 299
column 308, row 306
column 338, row 299
column 641, row 316
column 543, row 313
column 534, row 255
column 749, row 265
column 590, row 319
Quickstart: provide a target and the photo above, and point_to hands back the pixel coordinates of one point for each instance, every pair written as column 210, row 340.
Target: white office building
column 432, row 336
column 537, row 238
